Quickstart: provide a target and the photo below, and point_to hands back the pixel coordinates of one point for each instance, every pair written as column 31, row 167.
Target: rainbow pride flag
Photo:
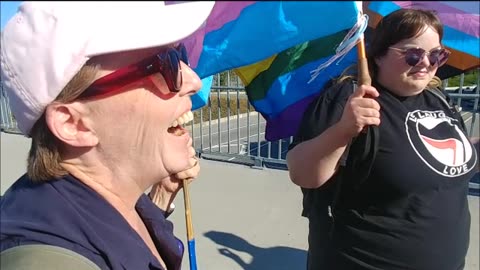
column 278, row 87
column 273, row 47
column 244, row 32
column 276, row 40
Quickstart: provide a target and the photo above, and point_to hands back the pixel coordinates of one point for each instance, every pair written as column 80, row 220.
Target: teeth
column 179, row 120
column 183, row 119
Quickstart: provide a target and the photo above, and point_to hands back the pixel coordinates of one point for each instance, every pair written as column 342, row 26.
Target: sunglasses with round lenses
column 166, row 63
column 413, row 56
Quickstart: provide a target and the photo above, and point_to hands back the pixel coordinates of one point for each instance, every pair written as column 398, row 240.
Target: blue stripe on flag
column 460, row 41
column 266, row 28
column 383, row 7
column 200, row 99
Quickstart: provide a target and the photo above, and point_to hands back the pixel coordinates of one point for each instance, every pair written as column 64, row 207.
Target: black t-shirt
column 412, row 211
column 320, row 114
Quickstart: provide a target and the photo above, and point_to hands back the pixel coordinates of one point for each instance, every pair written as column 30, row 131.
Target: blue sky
column 8, row 9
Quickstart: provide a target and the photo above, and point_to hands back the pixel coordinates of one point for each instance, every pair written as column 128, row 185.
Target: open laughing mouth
column 176, row 127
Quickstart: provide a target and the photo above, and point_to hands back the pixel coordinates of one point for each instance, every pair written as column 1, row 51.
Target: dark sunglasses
column 166, row 62
column 413, row 56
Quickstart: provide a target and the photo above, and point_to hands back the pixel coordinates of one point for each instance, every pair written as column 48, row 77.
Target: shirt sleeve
column 35, row 256
column 323, row 112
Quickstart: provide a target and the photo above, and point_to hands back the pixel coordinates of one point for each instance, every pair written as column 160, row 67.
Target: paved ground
column 243, row 218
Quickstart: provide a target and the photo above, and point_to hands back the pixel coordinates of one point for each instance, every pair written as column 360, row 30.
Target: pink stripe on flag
column 466, row 6
column 449, row 15
column 194, row 46
column 222, row 13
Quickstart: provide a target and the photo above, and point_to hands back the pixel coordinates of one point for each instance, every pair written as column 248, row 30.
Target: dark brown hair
column 397, row 26
column 391, row 29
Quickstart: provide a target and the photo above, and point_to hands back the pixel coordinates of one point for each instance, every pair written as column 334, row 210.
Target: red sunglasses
column 413, row 56
column 166, row 62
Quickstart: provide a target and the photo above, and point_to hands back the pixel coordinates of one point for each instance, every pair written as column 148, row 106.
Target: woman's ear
column 69, row 123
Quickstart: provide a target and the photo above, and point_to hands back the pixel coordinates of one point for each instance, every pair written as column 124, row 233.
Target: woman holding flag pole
column 390, row 162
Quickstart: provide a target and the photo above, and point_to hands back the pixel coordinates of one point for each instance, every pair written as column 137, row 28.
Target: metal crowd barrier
column 228, row 136
column 7, row 123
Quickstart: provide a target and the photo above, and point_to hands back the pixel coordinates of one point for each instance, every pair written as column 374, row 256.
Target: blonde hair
column 44, row 158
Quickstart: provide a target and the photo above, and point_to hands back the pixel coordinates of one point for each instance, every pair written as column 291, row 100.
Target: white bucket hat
column 46, row 43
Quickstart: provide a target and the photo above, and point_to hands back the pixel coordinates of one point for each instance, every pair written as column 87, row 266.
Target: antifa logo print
column 440, row 143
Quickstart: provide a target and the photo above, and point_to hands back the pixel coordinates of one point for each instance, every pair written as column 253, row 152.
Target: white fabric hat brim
column 46, row 43
column 155, row 27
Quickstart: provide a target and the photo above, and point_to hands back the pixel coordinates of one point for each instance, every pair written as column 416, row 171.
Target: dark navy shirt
column 65, row 212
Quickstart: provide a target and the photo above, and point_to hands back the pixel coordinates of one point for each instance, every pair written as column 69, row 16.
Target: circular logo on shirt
column 439, row 141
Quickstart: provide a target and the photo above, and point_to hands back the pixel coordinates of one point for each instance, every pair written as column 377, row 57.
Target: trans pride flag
column 461, row 30
column 274, row 45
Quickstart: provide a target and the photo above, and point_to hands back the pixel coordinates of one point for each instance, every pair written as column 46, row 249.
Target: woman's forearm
column 311, row 163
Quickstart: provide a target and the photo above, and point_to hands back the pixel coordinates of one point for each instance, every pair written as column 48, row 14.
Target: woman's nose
column 424, row 61
column 191, row 82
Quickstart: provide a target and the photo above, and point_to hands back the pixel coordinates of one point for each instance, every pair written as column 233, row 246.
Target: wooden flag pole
column 363, row 74
column 188, row 220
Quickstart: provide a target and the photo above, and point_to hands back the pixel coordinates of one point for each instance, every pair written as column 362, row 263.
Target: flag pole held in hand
column 363, row 73
column 188, row 220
